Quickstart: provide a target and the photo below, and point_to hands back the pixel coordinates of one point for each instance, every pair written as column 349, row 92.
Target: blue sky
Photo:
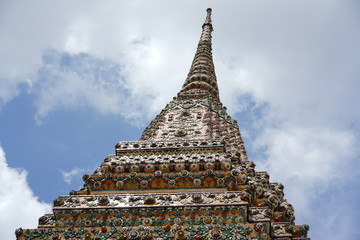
column 77, row 77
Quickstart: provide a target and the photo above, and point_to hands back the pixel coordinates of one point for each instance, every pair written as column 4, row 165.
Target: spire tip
column 208, row 16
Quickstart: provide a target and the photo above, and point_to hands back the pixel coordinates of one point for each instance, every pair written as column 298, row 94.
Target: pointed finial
column 202, row 72
column 208, row 16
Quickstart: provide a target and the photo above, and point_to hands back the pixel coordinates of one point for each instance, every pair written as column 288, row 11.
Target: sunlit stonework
column 188, row 177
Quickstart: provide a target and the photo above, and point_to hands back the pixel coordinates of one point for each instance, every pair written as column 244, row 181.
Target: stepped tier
column 172, row 190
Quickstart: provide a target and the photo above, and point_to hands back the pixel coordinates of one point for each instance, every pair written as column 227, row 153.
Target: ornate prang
column 188, row 177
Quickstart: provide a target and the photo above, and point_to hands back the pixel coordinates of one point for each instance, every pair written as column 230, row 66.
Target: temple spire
column 188, row 177
column 202, row 72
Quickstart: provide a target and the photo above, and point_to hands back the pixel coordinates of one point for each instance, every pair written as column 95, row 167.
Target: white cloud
column 311, row 160
column 319, row 168
column 18, row 205
column 78, row 39
column 283, row 47
column 74, row 81
column 311, row 154
column 74, row 173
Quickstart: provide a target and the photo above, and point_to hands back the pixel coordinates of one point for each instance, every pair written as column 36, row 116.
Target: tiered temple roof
column 188, row 177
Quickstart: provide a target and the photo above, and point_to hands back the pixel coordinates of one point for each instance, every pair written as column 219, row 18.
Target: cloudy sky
column 78, row 76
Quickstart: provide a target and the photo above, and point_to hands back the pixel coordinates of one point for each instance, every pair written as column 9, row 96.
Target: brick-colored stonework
column 188, row 177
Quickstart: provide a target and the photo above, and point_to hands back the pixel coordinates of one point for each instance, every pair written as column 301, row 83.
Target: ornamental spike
column 201, row 77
